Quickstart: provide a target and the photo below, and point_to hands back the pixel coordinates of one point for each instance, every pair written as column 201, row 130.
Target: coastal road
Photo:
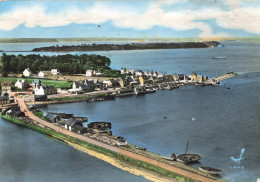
column 133, row 155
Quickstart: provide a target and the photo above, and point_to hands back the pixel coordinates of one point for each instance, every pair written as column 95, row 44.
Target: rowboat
column 210, row 170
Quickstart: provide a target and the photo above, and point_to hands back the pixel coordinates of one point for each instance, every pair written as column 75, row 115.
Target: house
column 27, row 72
column 89, row 73
column 138, row 73
column 176, row 77
column 4, row 100
column 41, row 74
column 54, row 71
column 21, row 84
column 124, row 71
column 6, row 88
column 107, row 83
column 201, row 78
column 15, row 111
column 117, row 82
column 52, row 118
column 39, row 93
column 32, row 107
column 99, row 73
column 49, row 90
column 145, row 80
column 35, row 83
column 168, row 78
column 148, row 73
column 83, row 86
column 73, row 125
column 182, row 77
column 193, row 77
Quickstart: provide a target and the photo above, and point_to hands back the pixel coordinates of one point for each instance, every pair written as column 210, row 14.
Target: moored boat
column 210, row 170
column 219, row 57
column 189, row 158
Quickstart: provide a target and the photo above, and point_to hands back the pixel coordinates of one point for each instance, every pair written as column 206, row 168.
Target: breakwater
column 154, row 164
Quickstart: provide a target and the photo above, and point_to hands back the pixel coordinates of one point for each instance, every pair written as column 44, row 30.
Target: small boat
column 165, row 117
column 140, row 148
column 210, row 170
column 219, row 57
column 188, row 158
column 168, row 158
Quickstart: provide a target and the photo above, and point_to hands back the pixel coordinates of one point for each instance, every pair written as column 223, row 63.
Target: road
column 161, row 164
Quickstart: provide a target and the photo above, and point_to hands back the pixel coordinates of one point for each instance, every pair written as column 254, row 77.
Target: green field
column 56, row 83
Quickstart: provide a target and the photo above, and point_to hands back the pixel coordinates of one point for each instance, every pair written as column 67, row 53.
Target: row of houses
column 27, row 72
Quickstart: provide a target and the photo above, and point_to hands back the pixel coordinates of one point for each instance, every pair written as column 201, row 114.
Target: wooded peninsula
column 132, row 46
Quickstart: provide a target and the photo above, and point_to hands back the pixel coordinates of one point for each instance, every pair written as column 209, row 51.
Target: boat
column 140, row 148
column 188, row 158
column 168, row 158
column 210, row 170
column 219, row 57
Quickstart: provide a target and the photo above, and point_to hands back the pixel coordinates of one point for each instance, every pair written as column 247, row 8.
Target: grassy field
column 120, row 157
column 56, row 83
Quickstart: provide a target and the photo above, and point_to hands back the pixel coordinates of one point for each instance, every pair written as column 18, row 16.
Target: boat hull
column 210, row 170
column 189, row 158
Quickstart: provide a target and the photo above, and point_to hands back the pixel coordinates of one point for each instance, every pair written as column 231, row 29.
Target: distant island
column 132, row 46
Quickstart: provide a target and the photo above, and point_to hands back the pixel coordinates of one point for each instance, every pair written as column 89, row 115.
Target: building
column 32, row 107
column 99, row 73
column 41, row 74
column 27, row 72
column 21, row 84
column 176, row 77
column 193, row 77
column 39, row 93
column 74, row 125
column 4, row 100
column 6, row 88
column 89, row 73
column 83, row 86
column 52, row 118
column 54, row 71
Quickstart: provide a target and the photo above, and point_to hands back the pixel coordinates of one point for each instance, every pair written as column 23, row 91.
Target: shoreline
column 123, row 165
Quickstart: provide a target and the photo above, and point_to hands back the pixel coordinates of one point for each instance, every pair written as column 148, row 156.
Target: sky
column 129, row 18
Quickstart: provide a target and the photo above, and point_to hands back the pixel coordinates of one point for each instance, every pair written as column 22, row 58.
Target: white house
column 19, row 84
column 54, row 71
column 99, row 73
column 41, row 74
column 27, row 72
column 138, row 73
column 39, row 90
column 108, row 83
column 89, row 73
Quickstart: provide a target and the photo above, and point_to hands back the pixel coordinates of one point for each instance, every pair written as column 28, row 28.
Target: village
column 18, row 100
column 131, row 82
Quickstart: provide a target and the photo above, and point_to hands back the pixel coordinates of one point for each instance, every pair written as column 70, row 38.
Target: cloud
column 127, row 17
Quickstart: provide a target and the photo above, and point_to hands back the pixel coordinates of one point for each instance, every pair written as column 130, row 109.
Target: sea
column 222, row 123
